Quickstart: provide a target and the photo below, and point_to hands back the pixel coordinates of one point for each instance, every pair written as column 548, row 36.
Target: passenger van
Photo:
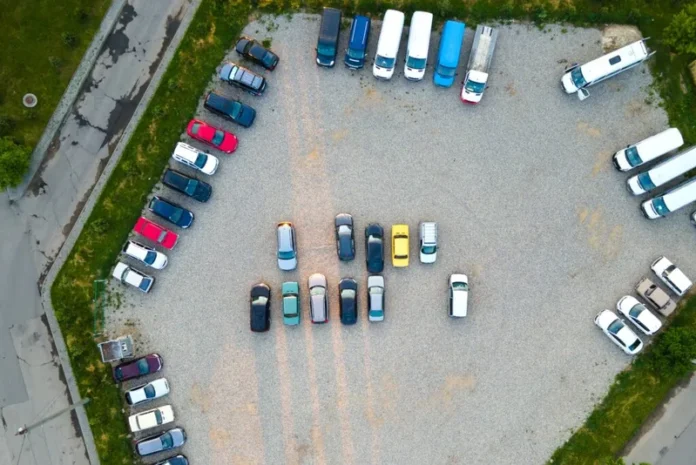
column 577, row 77
column 663, row 173
column 357, row 44
column 329, row 31
column 448, row 53
column 418, row 45
column 671, row 201
column 647, row 150
column 388, row 44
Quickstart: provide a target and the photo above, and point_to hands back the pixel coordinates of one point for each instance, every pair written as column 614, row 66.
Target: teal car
column 291, row 303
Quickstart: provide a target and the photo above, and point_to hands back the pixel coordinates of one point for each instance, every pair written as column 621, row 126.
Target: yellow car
column 400, row 245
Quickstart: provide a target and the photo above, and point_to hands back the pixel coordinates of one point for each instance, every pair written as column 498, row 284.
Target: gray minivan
column 329, row 30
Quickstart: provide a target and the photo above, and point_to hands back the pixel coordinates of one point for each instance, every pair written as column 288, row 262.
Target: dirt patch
column 615, row 36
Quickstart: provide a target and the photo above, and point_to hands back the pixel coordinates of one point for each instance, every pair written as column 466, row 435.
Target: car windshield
column 615, row 327
column 636, row 310
column 635, row 345
column 236, row 110
column 460, row 286
column 167, row 441
column 176, row 215
column 384, row 62
column 326, row 50
column 201, row 159
column 428, row 249
column 445, row 71
column 260, row 300
column 149, row 391
column 316, row 290
column 348, row 294
column 286, row 254
column 143, row 366
column 632, row 156
column 645, row 182
column 356, row 54
column 150, row 257
column 660, row 206
column 195, row 128
column 268, row 59
column 218, row 137
column 475, row 87
column 578, row 78
column 191, row 187
column 415, row 63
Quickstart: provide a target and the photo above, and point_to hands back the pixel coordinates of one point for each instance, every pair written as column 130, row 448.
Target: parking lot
column 528, row 206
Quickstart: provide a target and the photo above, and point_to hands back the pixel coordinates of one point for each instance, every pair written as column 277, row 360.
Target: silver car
column 161, row 442
column 318, row 303
column 375, row 298
column 287, row 249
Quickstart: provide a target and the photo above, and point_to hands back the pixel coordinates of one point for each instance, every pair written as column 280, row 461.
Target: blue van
column 357, row 45
column 448, row 54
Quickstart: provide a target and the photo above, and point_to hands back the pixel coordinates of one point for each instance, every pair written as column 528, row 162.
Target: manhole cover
column 30, row 100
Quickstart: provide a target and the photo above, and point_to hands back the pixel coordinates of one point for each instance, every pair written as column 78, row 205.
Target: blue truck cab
column 329, row 30
column 448, row 53
column 357, row 45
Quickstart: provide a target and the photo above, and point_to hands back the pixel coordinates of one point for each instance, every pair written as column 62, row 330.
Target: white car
column 375, row 298
column 639, row 315
column 193, row 158
column 459, row 295
column 618, row 332
column 147, row 392
column 151, row 418
column 672, row 276
column 135, row 278
column 145, row 254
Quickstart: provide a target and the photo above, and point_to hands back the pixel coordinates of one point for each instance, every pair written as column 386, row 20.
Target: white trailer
column 480, row 60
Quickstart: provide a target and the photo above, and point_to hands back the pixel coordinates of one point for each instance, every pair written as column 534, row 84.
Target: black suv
column 251, row 49
column 243, row 78
column 230, row 109
column 260, row 308
column 197, row 190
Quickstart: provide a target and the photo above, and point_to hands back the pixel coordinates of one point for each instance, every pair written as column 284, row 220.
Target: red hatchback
column 221, row 140
column 156, row 233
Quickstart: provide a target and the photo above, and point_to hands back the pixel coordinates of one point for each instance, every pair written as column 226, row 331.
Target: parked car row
column 637, row 313
column 344, row 227
column 416, row 58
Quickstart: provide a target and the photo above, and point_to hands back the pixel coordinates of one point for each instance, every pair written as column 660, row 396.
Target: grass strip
column 213, row 30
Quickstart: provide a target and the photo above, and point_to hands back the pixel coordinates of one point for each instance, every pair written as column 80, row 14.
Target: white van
column 194, row 158
column 418, row 45
column 671, row 201
column 648, row 149
column 577, row 77
column 663, row 173
column 388, row 45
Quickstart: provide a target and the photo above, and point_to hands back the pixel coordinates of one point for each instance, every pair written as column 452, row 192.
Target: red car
column 221, row 140
column 156, row 233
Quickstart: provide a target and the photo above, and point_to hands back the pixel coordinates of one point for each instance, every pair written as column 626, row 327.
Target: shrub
column 14, row 162
column 674, row 351
column 7, row 124
column 681, row 32
column 56, row 62
column 69, row 39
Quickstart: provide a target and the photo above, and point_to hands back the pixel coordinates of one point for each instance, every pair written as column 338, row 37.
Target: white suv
column 672, row 276
column 135, row 278
column 196, row 159
column 151, row 418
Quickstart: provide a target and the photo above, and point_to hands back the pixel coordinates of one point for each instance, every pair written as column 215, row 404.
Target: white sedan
column 145, row 254
column 151, row 418
column 641, row 317
column 618, row 332
column 147, row 392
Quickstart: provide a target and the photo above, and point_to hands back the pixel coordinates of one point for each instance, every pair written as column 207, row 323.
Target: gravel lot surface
column 528, row 205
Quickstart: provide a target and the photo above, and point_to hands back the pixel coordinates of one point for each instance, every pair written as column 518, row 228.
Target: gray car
column 318, row 303
column 287, row 248
column 175, row 437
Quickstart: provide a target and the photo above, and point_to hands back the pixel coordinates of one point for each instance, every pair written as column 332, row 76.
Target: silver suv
column 318, row 303
column 287, row 249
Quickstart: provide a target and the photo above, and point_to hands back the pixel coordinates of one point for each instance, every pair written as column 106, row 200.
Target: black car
column 251, row 49
column 230, row 109
column 243, row 78
column 260, row 308
column 374, row 248
column 348, row 300
column 170, row 211
column 197, row 190
column 345, row 243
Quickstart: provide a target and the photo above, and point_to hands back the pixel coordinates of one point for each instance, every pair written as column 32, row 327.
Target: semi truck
column 480, row 60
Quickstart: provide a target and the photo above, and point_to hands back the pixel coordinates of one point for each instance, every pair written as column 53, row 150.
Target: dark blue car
column 348, row 300
column 357, row 44
column 230, row 109
column 197, row 190
column 345, row 241
column 170, row 211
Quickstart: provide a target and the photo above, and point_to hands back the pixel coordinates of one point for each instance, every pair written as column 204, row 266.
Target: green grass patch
column 213, row 30
column 42, row 44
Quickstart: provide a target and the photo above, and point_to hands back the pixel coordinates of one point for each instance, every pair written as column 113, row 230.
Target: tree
column 14, row 162
column 675, row 351
column 681, row 32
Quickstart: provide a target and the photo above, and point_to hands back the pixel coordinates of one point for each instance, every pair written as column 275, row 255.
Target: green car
column 291, row 303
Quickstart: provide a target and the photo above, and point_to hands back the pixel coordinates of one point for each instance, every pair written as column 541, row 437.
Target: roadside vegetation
column 43, row 43
column 215, row 26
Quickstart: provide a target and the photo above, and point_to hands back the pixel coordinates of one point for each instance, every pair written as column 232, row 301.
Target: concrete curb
column 77, row 229
column 70, row 95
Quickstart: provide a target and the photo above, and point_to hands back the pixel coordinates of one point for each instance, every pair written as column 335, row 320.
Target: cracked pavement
column 35, row 227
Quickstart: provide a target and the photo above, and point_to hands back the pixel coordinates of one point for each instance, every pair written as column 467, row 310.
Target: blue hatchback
column 170, row 211
column 357, row 45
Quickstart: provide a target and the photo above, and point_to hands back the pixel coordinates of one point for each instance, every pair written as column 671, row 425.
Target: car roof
column 285, row 236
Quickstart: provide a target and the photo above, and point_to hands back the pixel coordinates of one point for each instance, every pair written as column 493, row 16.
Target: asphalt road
column 528, row 205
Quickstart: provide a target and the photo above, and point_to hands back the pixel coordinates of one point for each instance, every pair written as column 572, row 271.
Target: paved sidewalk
column 35, row 226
